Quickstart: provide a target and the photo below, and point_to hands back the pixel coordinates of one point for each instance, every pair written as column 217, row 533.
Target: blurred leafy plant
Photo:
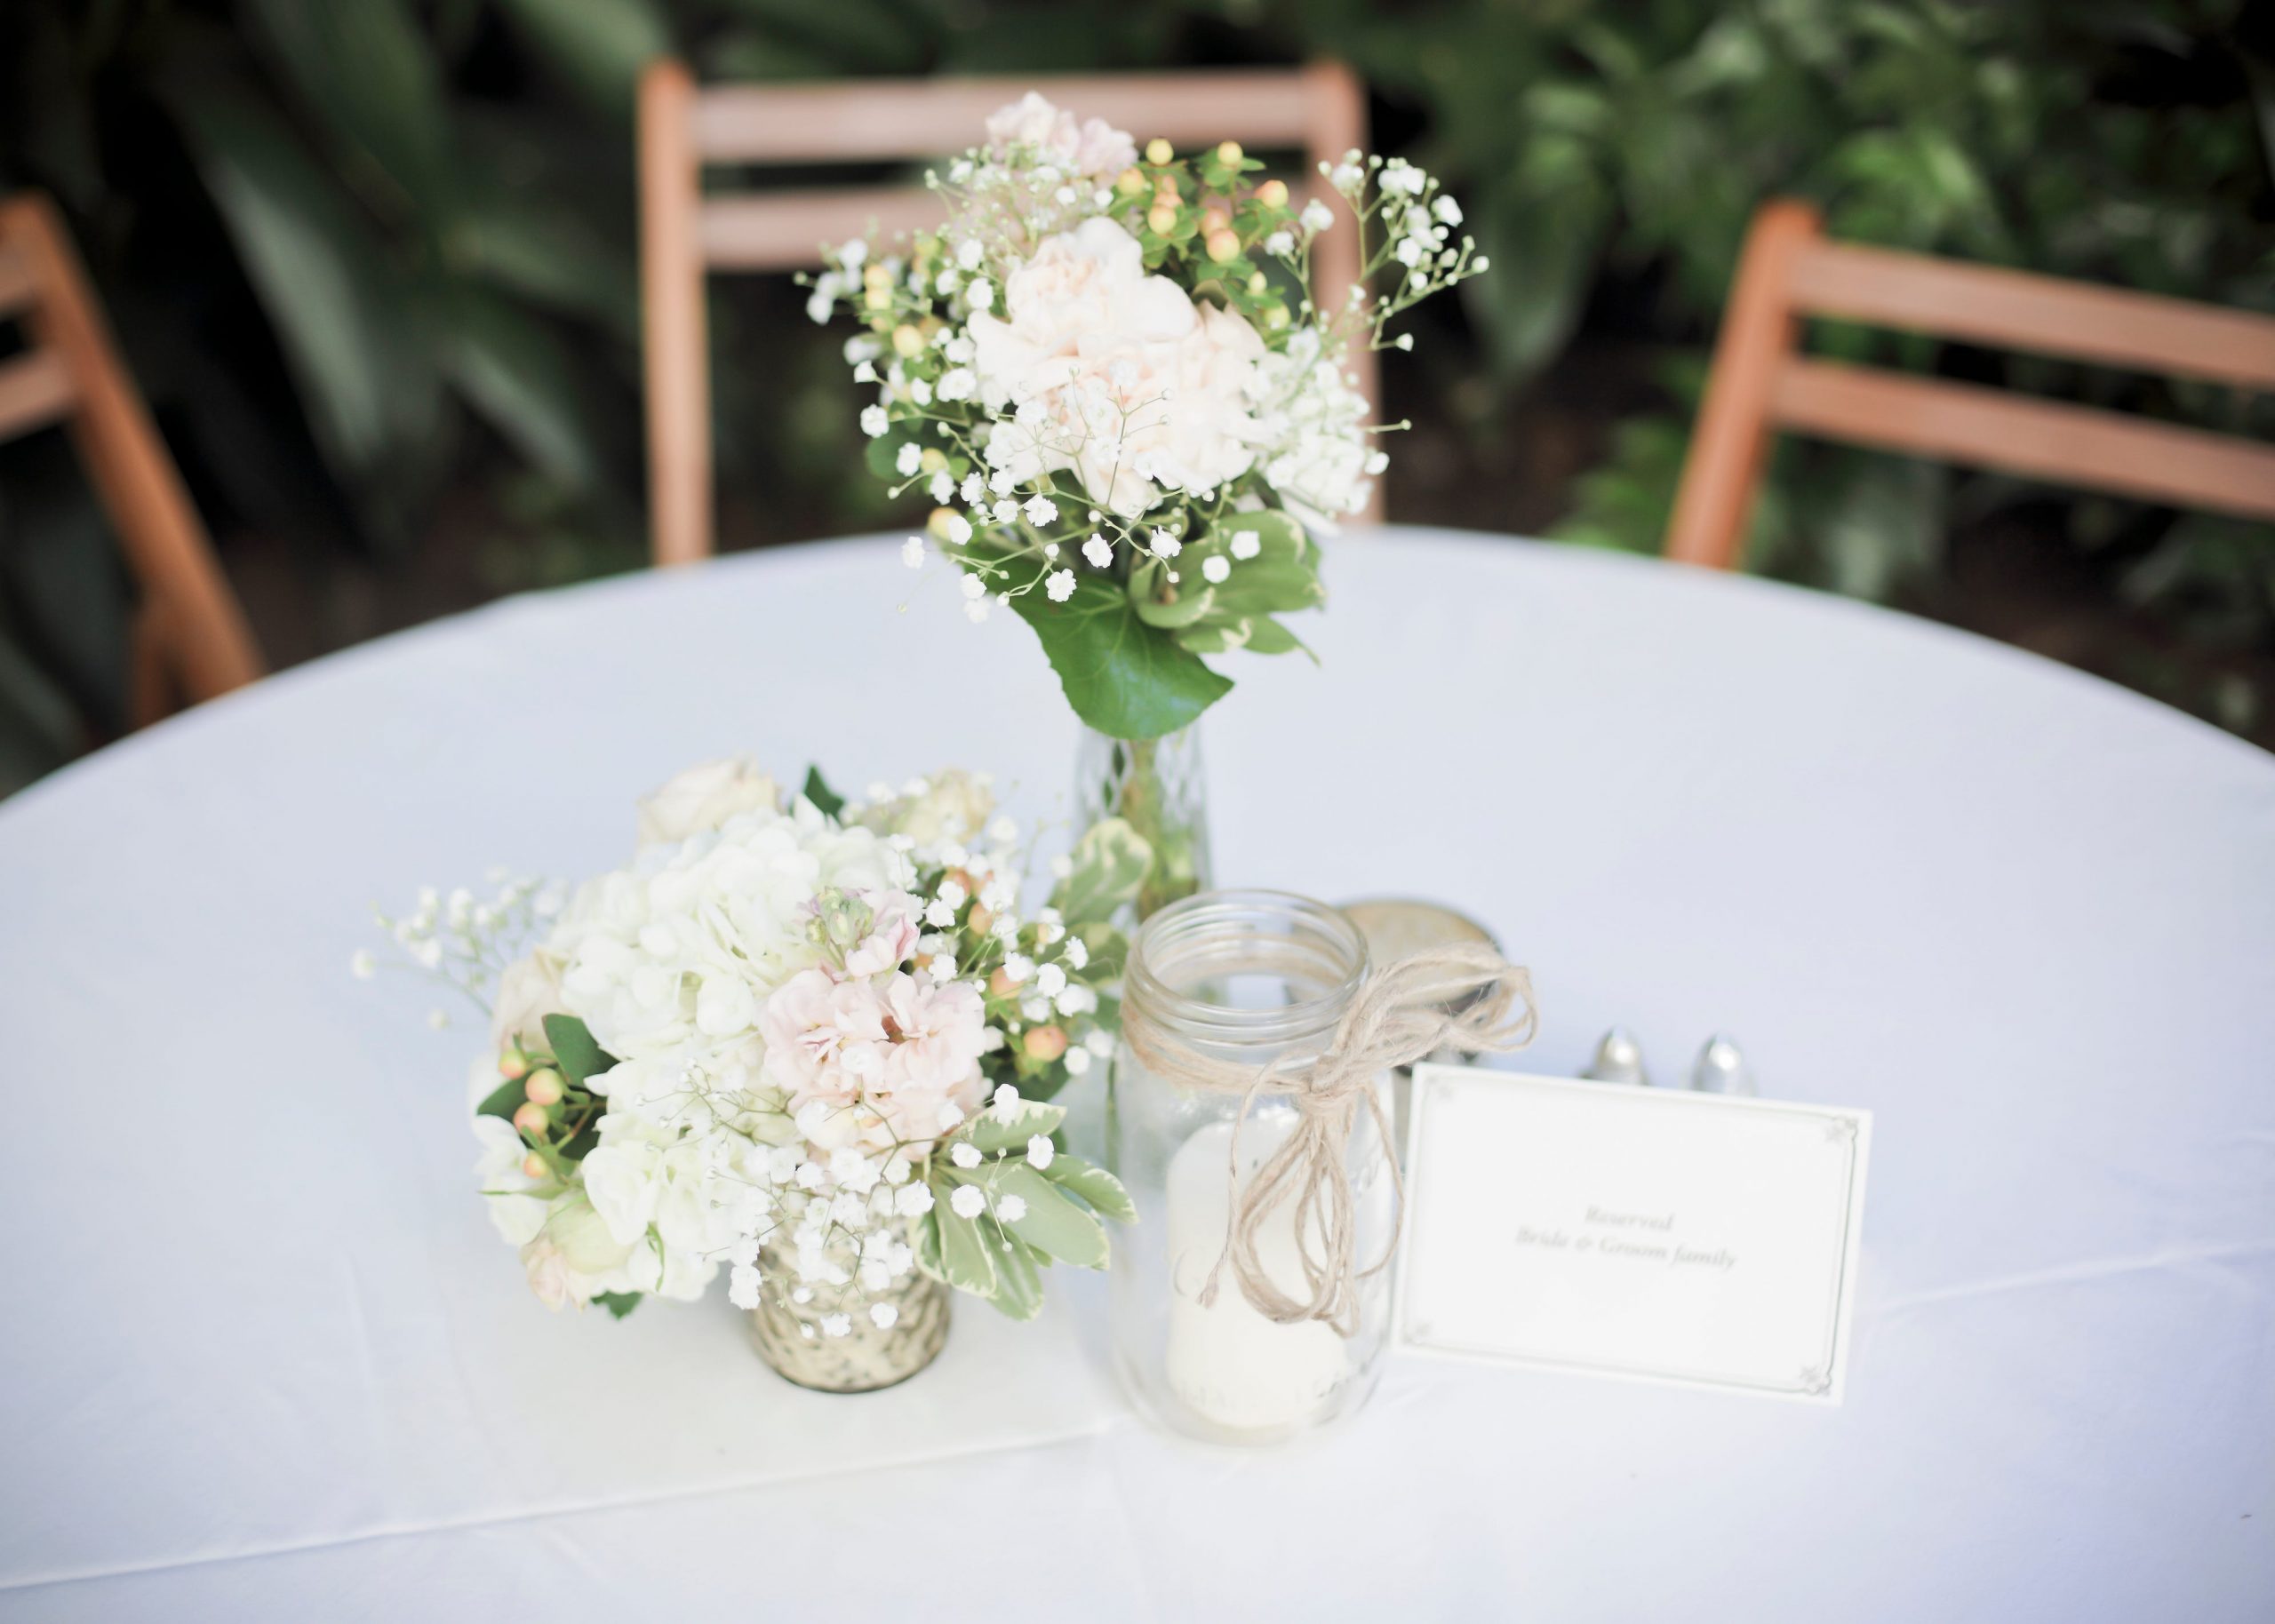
column 362, row 253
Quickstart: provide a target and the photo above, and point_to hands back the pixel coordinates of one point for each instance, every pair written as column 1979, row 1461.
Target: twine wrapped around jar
column 1465, row 997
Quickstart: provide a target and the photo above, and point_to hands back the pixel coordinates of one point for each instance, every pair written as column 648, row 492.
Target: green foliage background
column 373, row 261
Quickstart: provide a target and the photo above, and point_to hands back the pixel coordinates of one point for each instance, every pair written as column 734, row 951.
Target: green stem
column 1147, row 807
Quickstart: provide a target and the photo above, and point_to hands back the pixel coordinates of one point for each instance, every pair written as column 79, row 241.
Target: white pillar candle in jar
column 1230, row 1364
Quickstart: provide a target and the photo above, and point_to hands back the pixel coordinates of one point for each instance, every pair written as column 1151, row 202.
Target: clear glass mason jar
column 1240, row 976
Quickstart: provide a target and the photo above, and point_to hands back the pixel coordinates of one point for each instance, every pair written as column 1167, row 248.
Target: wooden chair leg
column 209, row 641
column 671, row 283
column 151, row 688
column 1714, row 503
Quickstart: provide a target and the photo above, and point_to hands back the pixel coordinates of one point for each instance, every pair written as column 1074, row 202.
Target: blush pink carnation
column 890, row 1056
column 891, row 939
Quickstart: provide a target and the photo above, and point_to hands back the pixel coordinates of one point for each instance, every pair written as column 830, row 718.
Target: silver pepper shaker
column 1722, row 1069
column 1619, row 1059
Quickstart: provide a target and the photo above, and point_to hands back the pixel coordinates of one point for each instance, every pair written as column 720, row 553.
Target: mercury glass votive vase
column 832, row 1341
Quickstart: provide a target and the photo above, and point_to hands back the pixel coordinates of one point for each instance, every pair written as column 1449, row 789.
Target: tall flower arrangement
column 1108, row 374
column 805, row 1041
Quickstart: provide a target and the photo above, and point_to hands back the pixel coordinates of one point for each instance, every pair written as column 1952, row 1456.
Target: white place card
column 1629, row 1231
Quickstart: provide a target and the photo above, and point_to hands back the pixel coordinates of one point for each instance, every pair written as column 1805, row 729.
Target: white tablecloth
column 261, row 1358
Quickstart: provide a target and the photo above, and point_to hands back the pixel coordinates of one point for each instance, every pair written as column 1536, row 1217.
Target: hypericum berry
column 1223, row 247
column 1229, row 154
column 544, row 1087
column 1159, row 151
column 530, row 1118
column 1273, row 194
column 1045, row 1042
column 532, row 1165
column 513, row 1063
column 1162, row 218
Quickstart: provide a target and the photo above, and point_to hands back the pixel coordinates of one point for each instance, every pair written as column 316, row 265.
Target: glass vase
column 796, row 1338
column 1239, row 976
column 1156, row 786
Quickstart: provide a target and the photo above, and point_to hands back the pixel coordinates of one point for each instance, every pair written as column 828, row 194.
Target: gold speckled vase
column 794, row 1337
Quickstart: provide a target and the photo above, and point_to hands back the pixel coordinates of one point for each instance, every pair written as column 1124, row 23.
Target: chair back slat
column 16, row 284
column 776, row 231
column 2043, row 440
column 35, row 390
column 1761, row 383
column 2039, row 314
column 875, row 120
column 686, row 231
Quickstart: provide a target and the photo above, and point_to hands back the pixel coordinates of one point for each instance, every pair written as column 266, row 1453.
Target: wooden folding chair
column 1763, row 382
column 190, row 636
column 1320, row 110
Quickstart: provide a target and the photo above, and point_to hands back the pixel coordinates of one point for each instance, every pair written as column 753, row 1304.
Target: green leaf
column 598, row 45
column 928, row 1242
column 574, row 1052
column 991, row 1133
column 517, row 238
column 1280, row 576
column 964, row 1261
column 503, row 1101
column 1095, row 1185
column 619, row 1303
column 1052, row 1223
column 366, row 72
column 522, row 376
column 1110, row 861
column 1018, row 1284
column 881, row 455
column 828, row 801
column 352, row 333
column 1124, row 678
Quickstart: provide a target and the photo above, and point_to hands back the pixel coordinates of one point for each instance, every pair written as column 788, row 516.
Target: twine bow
column 1464, row 997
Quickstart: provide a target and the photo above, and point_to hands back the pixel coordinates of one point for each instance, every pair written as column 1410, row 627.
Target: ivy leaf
column 826, row 800
column 504, row 1100
column 1018, row 1285
column 1095, row 1185
column 881, row 455
column 1124, row 678
column 1052, row 1223
column 928, row 1244
column 991, row 1133
column 1110, row 861
column 1280, row 576
column 964, row 1261
column 619, row 1303
column 574, row 1052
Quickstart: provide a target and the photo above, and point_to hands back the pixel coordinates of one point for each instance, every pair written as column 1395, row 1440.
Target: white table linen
column 262, row 1358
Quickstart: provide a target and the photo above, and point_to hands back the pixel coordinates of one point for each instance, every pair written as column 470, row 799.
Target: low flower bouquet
column 805, row 1041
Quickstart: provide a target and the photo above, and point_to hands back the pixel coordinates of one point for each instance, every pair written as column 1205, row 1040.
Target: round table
column 262, row 1355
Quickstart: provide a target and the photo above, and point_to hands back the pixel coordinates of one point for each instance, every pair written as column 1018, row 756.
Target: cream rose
column 954, row 806
column 703, row 798
column 527, row 992
column 1115, row 374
